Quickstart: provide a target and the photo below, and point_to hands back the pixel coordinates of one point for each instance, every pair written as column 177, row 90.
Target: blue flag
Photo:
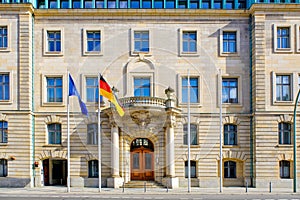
column 73, row 92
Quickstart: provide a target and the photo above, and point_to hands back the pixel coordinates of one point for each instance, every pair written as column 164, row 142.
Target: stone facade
column 160, row 118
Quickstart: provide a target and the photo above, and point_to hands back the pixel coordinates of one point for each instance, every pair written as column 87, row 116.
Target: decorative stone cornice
column 52, row 119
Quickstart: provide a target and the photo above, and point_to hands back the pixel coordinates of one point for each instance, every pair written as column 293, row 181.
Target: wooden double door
column 142, row 164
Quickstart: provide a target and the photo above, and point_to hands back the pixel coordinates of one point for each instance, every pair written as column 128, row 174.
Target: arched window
column 54, row 133
column 193, row 169
column 3, row 132
column 230, row 134
column 3, row 167
column 93, row 169
column 194, row 134
column 284, row 166
column 284, row 133
column 229, row 169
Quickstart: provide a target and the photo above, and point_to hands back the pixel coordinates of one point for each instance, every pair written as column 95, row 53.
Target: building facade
column 238, row 54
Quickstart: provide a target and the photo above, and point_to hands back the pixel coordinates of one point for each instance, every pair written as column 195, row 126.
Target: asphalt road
column 150, row 196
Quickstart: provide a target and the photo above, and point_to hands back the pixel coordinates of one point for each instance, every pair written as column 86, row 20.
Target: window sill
column 4, row 49
column 229, row 54
column 92, row 53
column 5, row 102
column 236, row 105
column 284, row 146
column 3, row 144
column 283, row 50
column 141, row 54
column 54, row 53
column 189, row 54
column 283, row 103
column 192, row 105
column 52, row 145
column 54, row 104
column 230, row 146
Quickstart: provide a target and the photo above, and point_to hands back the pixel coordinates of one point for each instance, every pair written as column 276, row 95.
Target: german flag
column 105, row 89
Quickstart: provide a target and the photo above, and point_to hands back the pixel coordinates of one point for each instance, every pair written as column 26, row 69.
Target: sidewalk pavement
column 196, row 190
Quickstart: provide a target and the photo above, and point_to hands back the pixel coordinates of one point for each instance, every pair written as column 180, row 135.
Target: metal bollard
column 270, row 187
column 145, row 186
column 167, row 187
column 246, row 186
column 123, row 190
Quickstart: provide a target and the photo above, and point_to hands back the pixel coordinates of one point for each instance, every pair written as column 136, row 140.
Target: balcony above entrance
column 151, row 102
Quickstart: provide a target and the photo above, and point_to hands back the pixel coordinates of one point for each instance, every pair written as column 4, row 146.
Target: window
column 54, row 89
column 217, row 4
column 283, row 37
column 230, row 90
column 193, row 134
column 123, row 4
column 147, row 4
column 93, row 169
column 3, row 132
column 194, row 4
column 52, row 4
column 229, row 4
column 111, row 4
column 93, row 39
column 241, row 4
column 189, row 41
column 284, row 133
column 284, row 166
column 142, row 87
column 3, row 37
column 206, row 4
column 54, row 41
column 229, row 42
column 92, row 134
column 135, row 4
column 76, row 4
column 141, row 41
column 64, row 4
column 4, row 87
column 88, row 4
column 193, row 169
column 283, row 88
column 229, row 169
column 194, row 90
column 3, row 167
column 92, row 90
column 99, row 4
column 54, row 133
column 158, row 4
column 230, row 134
column 170, row 4
column 182, row 4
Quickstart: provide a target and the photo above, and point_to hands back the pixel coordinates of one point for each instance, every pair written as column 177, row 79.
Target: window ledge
column 283, row 103
column 52, row 145
column 189, row 54
column 230, row 146
column 192, row 105
column 54, row 53
column 236, row 105
column 3, row 144
column 229, row 54
column 4, row 49
column 54, row 104
column 283, row 50
column 284, row 146
column 141, row 54
column 93, row 53
column 5, row 102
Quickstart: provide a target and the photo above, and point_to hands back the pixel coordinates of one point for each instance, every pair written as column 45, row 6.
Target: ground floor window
column 284, row 166
column 3, row 167
column 193, row 169
column 229, row 169
column 93, row 169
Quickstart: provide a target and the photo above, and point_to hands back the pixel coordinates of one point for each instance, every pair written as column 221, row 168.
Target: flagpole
column 221, row 128
column 189, row 134
column 68, row 133
column 99, row 136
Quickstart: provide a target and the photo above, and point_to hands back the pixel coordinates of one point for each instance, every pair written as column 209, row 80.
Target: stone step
column 141, row 184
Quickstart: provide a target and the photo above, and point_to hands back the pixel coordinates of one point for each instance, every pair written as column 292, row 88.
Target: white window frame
column 44, row 90
column 132, row 51
column 11, row 86
column 83, row 86
column 54, row 53
column 297, row 38
column 181, row 52
column 92, row 53
column 9, row 34
column 274, row 94
column 291, row 33
column 238, row 42
column 200, row 89
column 130, row 82
column 240, row 90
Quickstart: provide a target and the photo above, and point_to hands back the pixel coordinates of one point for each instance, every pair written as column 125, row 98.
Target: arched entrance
column 142, row 159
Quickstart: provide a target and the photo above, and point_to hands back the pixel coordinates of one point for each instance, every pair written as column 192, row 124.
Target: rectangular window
column 284, row 133
column 93, row 169
column 192, row 169
column 229, row 42
column 54, row 89
column 64, row 4
column 76, row 4
column 54, row 41
column 194, row 4
column 92, row 90
column 189, row 41
column 194, row 90
column 93, row 41
column 141, row 41
column 3, row 167
column 193, row 134
column 92, row 134
column 230, row 90
column 158, row 4
column 52, row 4
column 182, row 4
column 283, row 88
column 283, row 37
column 229, row 169
column 123, row 4
column 170, row 4
column 111, row 4
column 99, row 4
column 4, row 87
column 147, row 4
column 284, row 169
column 3, row 132
column 230, row 134
column 229, row 4
column 206, row 4
column 241, row 4
column 3, row 37
column 88, row 4
column 217, row 4
column 142, row 87
column 54, row 133
column 134, row 4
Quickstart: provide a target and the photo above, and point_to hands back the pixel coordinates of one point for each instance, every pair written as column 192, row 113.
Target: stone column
column 115, row 151
column 170, row 150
